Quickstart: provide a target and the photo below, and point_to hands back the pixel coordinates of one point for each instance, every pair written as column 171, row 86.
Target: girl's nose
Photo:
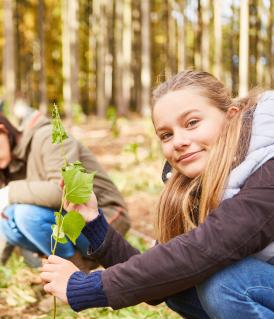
column 180, row 141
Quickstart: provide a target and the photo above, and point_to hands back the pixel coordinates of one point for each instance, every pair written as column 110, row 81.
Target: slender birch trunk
column 146, row 60
column 244, row 48
column 9, row 58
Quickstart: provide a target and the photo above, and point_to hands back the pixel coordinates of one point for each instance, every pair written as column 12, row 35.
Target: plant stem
column 64, row 154
column 58, row 220
column 58, row 223
column 55, row 245
column 54, row 308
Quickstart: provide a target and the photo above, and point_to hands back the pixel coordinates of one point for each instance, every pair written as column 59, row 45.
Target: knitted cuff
column 96, row 231
column 86, row 291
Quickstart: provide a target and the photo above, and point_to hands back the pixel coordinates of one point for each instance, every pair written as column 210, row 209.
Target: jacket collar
column 261, row 146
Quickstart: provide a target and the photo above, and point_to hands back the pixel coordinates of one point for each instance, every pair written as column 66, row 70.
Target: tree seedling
column 78, row 186
column 113, row 118
column 133, row 148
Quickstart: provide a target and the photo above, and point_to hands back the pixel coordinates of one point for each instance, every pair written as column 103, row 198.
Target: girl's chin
column 191, row 172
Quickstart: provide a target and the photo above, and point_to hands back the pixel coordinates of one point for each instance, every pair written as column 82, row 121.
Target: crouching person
column 30, row 168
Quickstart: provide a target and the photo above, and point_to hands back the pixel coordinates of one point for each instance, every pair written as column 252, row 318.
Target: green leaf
column 58, row 132
column 61, row 238
column 78, row 184
column 75, row 165
column 72, row 225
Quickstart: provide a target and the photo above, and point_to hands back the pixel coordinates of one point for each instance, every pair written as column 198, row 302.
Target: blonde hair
column 184, row 202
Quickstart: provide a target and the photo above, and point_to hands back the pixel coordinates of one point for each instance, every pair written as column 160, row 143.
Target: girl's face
column 5, row 152
column 187, row 126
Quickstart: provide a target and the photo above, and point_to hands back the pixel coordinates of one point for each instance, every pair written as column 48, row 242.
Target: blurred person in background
column 30, row 167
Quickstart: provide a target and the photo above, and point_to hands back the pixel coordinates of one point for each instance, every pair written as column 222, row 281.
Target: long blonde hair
column 184, row 202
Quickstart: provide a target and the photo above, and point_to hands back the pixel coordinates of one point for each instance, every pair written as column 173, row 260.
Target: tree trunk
column 74, row 28
column 171, row 67
column 100, row 8
column 217, row 70
column 9, row 58
column 244, row 48
column 205, row 43
column 109, row 53
column 127, row 44
column 197, row 43
column 92, row 49
column 66, row 58
column 17, row 44
column 42, row 75
column 85, row 55
column 136, row 55
column 234, row 39
column 119, row 99
column 181, row 36
column 260, row 44
column 146, row 60
column 70, row 56
column 270, row 69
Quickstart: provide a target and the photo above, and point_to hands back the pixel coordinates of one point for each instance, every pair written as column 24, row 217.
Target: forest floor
column 129, row 152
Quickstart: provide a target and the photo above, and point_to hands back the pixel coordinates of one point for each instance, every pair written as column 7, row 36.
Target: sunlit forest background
column 99, row 61
column 90, row 56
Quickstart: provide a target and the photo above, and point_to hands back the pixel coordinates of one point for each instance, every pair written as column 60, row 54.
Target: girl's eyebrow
column 184, row 114
column 181, row 116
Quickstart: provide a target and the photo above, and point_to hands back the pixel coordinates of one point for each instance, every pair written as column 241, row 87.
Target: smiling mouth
column 187, row 157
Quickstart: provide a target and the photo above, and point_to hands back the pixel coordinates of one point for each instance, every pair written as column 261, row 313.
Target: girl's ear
column 232, row 110
column 3, row 129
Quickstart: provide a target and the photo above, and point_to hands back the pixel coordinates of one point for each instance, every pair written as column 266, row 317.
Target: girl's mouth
column 188, row 157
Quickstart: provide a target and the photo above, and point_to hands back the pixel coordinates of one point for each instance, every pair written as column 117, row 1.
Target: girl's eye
column 165, row 136
column 191, row 123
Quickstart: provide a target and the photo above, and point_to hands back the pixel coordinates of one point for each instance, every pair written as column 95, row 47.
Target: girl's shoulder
column 265, row 104
column 266, row 96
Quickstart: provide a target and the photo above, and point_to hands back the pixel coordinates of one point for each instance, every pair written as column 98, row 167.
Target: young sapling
column 78, row 186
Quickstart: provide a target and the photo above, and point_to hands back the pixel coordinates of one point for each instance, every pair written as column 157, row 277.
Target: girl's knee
column 230, row 288
column 211, row 294
column 217, row 292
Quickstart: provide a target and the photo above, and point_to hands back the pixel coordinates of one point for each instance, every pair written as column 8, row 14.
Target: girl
column 216, row 210
column 30, row 171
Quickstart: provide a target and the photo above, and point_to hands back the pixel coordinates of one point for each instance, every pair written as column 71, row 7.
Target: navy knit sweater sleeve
column 96, row 231
column 86, row 291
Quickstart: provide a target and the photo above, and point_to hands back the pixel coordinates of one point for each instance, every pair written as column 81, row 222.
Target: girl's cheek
column 168, row 153
column 164, row 151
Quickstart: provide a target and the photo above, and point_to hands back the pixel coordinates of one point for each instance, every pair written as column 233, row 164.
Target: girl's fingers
column 46, row 276
column 48, row 288
column 53, row 259
column 69, row 206
column 61, row 183
column 66, row 203
column 48, row 267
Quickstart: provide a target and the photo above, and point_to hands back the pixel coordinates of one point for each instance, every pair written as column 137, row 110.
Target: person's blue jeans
column 242, row 290
column 29, row 226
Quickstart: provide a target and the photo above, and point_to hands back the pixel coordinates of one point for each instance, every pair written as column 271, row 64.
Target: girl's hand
column 89, row 211
column 56, row 273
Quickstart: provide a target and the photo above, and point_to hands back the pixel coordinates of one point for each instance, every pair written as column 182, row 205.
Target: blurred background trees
column 90, row 55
